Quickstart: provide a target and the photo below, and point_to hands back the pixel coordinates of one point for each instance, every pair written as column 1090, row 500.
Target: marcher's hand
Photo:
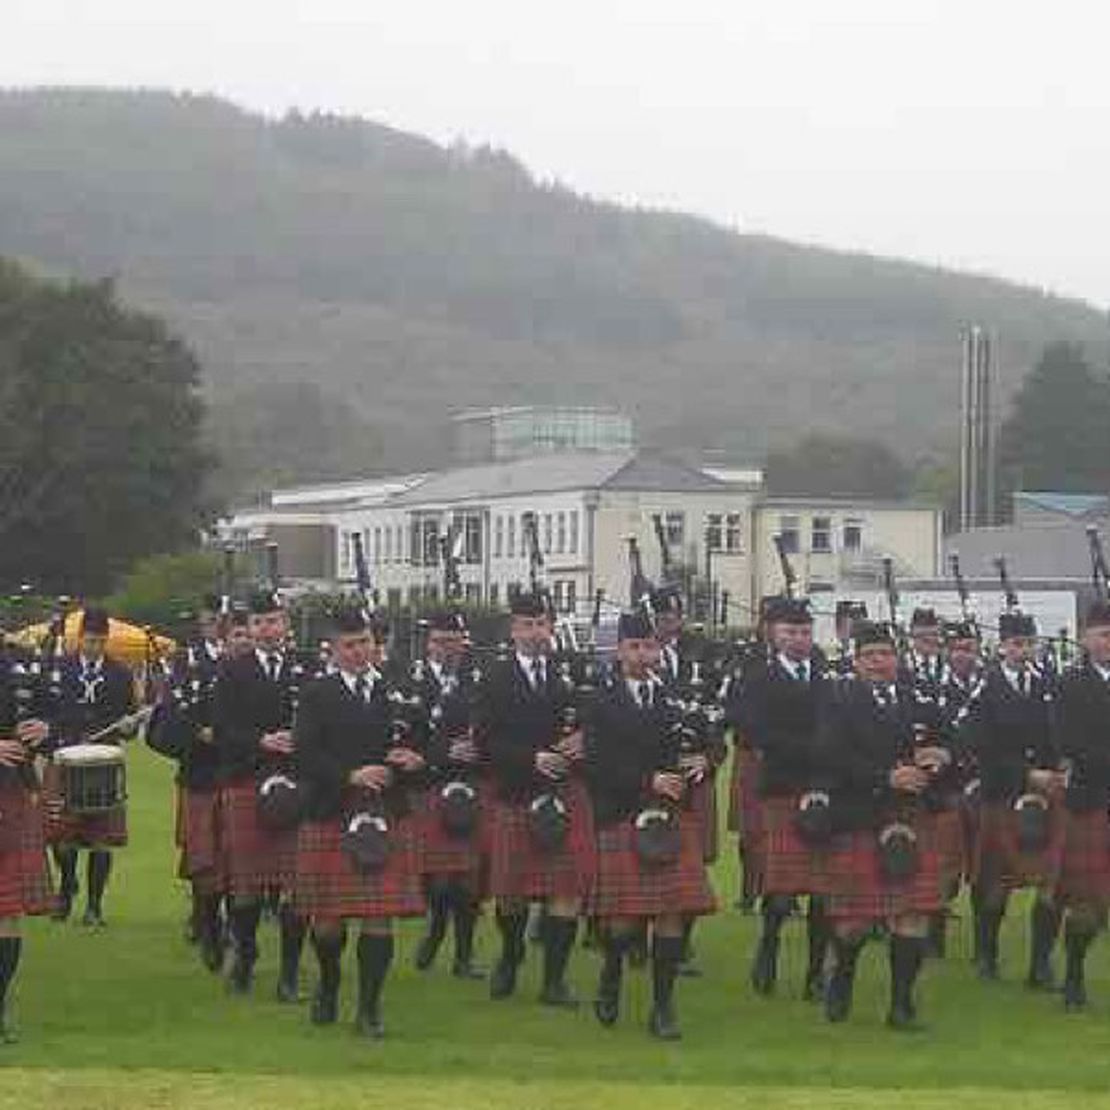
column 551, row 764
column 908, row 779
column 668, row 785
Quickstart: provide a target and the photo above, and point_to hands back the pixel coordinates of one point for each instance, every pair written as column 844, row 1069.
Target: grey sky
column 972, row 134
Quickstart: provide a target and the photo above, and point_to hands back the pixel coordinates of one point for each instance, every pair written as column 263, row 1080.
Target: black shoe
column 464, row 969
column 241, row 977
column 426, row 953
column 987, row 969
column 662, row 1024
column 559, row 996
column 325, row 1007
column 838, row 998
column 607, row 1009
column 814, row 989
column 212, row 953
column 288, row 991
column 63, row 909
column 1075, row 997
column 369, row 1025
column 93, row 918
column 7, row 1034
column 765, row 968
column 903, row 1019
column 502, row 982
column 1040, row 977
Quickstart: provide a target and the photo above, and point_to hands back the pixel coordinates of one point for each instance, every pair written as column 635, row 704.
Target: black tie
column 361, row 687
column 273, row 665
column 645, row 695
column 537, row 673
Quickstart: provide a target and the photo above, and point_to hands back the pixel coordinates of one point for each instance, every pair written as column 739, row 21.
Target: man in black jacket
column 359, row 769
column 94, row 691
column 1010, row 729
column 1084, row 724
column 634, row 767
column 254, row 706
column 778, row 712
column 534, row 753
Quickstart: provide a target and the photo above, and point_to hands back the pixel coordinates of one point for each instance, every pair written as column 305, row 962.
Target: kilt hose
column 1085, row 860
column 442, row 854
column 200, row 849
column 253, row 860
column 626, row 887
column 789, row 865
column 861, row 895
column 518, row 869
column 25, row 887
column 79, row 830
column 327, row 886
column 1000, row 862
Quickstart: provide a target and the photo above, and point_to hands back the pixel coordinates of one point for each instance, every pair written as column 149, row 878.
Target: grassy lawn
column 127, row 1017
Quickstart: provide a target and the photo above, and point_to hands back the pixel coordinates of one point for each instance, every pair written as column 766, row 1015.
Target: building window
column 493, row 594
column 570, row 596
column 472, row 538
column 387, row 553
column 345, row 553
column 424, row 541
column 473, row 593
column 378, row 544
column 788, row 532
column 713, row 531
column 510, row 538
column 547, row 533
column 529, row 530
column 498, row 537
column 573, row 545
column 399, row 548
column 734, row 533
column 853, row 535
column 674, row 528
column 820, row 537
column 560, row 533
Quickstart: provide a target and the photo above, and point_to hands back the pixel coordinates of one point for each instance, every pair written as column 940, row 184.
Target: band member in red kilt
column 633, row 764
column 181, row 729
column 451, row 852
column 94, row 692
column 777, row 712
column 357, row 765
column 539, row 827
column 883, row 867
column 1084, row 729
column 1009, row 728
column 252, row 715
column 25, row 888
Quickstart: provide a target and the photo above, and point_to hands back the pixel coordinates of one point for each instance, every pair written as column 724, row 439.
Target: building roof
column 553, row 473
column 345, row 492
column 1068, row 504
column 792, row 501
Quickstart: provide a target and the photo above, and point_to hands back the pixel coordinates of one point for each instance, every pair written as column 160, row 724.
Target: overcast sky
column 971, row 133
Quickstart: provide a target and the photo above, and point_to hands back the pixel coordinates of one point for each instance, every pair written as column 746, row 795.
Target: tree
column 167, row 590
column 1054, row 437
column 100, row 457
column 824, row 465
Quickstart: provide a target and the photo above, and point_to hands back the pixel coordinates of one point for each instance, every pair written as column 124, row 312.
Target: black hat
column 667, row 599
column 635, row 626
column 94, row 622
column 264, row 600
column 960, row 630
column 349, row 621
column 924, row 618
column 851, row 611
column 872, row 632
column 1016, row 624
column 787, row 610
column 525, row 603
column 445, row 620
column 1098, row 614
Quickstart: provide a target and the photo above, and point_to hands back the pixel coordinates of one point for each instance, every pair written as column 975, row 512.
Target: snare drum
column 94, row 778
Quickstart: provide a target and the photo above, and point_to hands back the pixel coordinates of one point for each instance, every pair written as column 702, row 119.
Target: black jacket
column 1009, row 734
column 87, row 704
column 247, row 705
column 1084, row 733
column 515, row 722
column 184, row 710
column 336, row 733
column 778, row 715
column 625, row 747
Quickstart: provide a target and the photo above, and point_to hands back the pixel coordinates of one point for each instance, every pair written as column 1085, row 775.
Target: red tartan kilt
column 1085, row 865
column 789, row 864
column 517, row 869
column 743, row 800
column 702, row 811
column 999, row 859
column 859, row 894
column 626, row 888
column 950, row 846
column 200, row 853
column 328, row 887
column 25, row 888
column 82, row 830
column 441, row 853
column 252, row 859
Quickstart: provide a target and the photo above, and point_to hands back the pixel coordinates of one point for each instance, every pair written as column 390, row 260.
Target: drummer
column 95, row 691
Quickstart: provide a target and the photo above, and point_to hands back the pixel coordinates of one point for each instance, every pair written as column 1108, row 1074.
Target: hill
column 403, row 280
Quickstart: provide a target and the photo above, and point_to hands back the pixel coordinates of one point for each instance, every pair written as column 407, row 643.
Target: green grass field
column 126, row 1017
